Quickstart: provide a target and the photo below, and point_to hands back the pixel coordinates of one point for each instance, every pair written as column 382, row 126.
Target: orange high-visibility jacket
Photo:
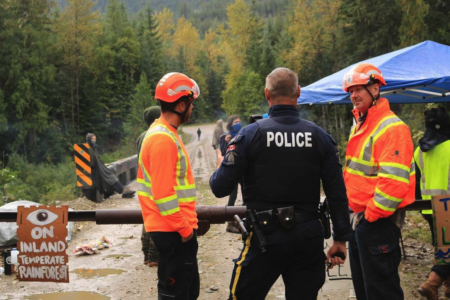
column 166, row 184
column 379, row 169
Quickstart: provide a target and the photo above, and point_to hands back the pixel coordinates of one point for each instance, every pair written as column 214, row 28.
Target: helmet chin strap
column 182, row 115
column 374, row 99
column 362, row 117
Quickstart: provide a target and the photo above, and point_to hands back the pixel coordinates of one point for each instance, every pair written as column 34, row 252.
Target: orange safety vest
column 379, row 168
column 166, row 187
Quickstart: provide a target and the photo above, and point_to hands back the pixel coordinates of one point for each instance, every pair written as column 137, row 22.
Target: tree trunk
column 72, row 103
column 324, row 117
column 338, row 135
column 78, row 97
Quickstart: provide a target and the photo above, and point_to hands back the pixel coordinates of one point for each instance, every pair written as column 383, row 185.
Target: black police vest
column 285, row 171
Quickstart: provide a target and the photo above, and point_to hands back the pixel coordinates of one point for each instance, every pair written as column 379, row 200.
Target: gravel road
column 119, row 273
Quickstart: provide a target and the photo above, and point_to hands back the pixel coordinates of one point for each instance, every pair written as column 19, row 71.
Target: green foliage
column 419, row 229
column 151, row 48
column 43, row 183
column 142, row 98
column 126, row 149
column 186, row 138
column 3, row 120
column 26, row 70
column 67, row 72
column 413, row 27
column 438, row 21
column 244, row 96
column 369, row 29
column 8, row 180
column 134, row 125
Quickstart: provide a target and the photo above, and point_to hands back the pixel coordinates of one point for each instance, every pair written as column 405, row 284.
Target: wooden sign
column 83, row 165
column 441, row 216
column 42, row 243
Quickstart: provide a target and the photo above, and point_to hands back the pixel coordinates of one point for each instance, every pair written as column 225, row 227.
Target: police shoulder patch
column 232, row 154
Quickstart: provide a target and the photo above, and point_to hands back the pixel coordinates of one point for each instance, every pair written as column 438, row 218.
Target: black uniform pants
column 233, row 196
column 374, row 259
column 296, row 255
column 178, row 277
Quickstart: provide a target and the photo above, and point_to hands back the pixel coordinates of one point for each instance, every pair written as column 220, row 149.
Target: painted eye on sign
column 42, row 217
column 42, row 243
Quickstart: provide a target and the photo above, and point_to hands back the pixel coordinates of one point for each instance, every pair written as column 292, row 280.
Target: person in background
column 218, row 131
column 432, row 159
column 167, row 192
column 233, row 127
column 151, row 254
column 104, row 179
column 282, row 161
column 199, row 133
column 379, row 176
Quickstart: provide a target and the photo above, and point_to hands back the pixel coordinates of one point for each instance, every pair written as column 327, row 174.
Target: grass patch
column 43, row 183
column 127, row 150
column 185, row 137
column 416, row 228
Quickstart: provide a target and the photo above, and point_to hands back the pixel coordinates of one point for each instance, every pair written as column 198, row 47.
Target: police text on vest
column 284, row 139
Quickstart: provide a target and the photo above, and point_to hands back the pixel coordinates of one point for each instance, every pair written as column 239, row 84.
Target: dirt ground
column 119, row 273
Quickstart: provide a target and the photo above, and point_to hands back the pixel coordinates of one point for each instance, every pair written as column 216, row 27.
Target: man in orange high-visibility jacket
column 167, row 191
column 379, row 176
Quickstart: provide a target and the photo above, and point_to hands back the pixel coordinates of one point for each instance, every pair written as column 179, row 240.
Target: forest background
column 77, row 66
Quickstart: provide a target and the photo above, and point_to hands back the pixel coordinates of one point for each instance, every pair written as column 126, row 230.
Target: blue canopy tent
column 416, row 74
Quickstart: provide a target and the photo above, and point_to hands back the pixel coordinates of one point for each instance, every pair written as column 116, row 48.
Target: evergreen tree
column 116, row 19
column 77, row 29
column 413, row 27
column 166, row 26
column 254, row 48
column 309, row 52
column 239, row 31
column 151, row 49
column 3, row 120
column 126, row 57
column 268, row 56
column 369, row 29
column 142, row 98
column 25, row 72
column 214, row 72
column 244, row 96
column 438, row 21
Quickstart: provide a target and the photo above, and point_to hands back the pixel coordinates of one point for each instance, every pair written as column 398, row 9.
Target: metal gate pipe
column 214, row 214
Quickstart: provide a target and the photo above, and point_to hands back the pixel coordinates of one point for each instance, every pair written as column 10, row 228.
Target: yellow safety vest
column 434, row 167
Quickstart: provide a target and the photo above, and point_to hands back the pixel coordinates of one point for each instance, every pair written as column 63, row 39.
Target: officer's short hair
column 282, row 82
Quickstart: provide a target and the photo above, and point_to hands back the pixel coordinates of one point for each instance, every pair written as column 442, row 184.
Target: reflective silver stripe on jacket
column 368, row 148
column 388, row 204
column 367, row 170
column 182, row 163
column 395, row 171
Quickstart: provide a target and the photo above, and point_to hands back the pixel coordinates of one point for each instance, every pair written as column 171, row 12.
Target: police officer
column 281, row 162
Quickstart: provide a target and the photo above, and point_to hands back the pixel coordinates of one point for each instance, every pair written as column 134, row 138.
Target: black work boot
column 127, row 193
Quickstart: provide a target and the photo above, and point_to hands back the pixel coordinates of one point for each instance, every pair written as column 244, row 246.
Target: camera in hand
column 254, row 118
